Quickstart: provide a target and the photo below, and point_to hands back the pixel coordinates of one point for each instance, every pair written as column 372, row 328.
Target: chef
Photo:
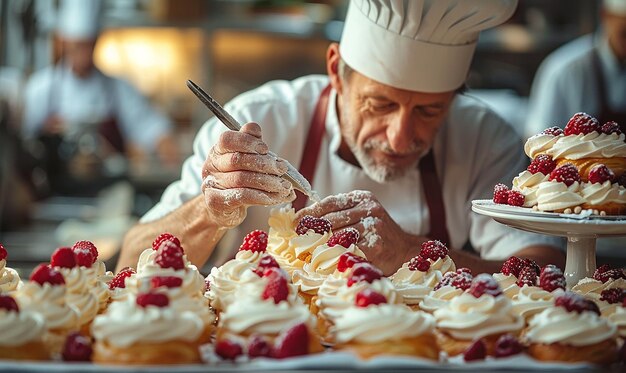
column 388, row 138
column 74, row 96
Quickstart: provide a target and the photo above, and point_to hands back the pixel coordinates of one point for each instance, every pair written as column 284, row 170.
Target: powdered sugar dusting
column 231, row 195
column 370, row 235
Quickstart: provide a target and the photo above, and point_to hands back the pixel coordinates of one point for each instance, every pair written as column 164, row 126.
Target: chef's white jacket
column 474, row 150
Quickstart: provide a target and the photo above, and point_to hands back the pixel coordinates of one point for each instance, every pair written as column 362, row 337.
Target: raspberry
column 542, row 163
column 267, row 261
column 87, row 245
column 152, row 299
column 368, row 297
column 611, row 127
column 8, row 303
column 77, row 348
column 419, row 263
column 461, row 279
column 318, row 225
column 573, row 302
column 166, row 281
column 601, row 173
column 512, row 266
column 605, row 273
column 207, row 284
column 476, row 351
column 507, row 345
column 170, row 256
column 63, row 257
column 551, row 278
column 615, row 295
column 276, row 287
column 255, row 241
column 228, row 350
column 119, row 280
column 348, row 260
column 568, row 174
column 293, row 342
column 164, row 237
column 484, row 284
column 581, row 124
column 527, row 276
column 533, row 264
column 259, row 347
column 554, row 131
column 500, row 193
column 515, row 198
column 44, row 273
column 3, row 253
column 345, row 238
column 83, row 258
column 603, row 268
column 433, row 250
column 364, row 272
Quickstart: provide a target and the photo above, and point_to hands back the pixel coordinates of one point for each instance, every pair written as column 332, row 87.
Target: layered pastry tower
column 579, row 168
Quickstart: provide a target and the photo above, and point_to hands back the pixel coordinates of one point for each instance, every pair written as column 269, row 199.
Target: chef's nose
column 400, row 131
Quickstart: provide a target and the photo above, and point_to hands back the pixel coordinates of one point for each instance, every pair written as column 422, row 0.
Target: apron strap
column 434, row 198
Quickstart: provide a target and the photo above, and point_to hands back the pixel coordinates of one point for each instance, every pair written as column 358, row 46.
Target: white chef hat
column 79, row 19
column 617, row 7
column 418, row 45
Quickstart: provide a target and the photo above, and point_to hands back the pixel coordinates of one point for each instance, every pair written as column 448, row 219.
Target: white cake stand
column 581, row 231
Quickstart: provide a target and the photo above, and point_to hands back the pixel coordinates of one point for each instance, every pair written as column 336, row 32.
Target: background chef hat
column 418, row 45
column 79, row 19
column 617, row 7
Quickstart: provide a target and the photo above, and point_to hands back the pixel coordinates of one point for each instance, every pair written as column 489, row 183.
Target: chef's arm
column 189, row 222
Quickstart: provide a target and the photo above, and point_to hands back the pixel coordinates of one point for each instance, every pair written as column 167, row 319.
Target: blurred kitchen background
column 226, row 46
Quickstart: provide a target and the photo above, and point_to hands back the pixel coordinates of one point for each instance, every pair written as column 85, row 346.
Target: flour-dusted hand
column 239, row 172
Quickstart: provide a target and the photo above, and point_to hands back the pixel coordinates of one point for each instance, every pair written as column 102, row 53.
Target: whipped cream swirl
column 591, row 145
column 530, row 300
column 415, row 285
column 601, row 193
column 508, row 284
column 20, row 328
column 557, row 325
column 439, row 298
column 248, row 316
column 9, row 278
column 51, row 302
column 554, row 196
column 527, row 183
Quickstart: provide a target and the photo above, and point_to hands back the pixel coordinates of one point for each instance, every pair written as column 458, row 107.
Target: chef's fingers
column 239, row 141
column 338, row 202
column 229, row 162
column 250, row 180
column 231, row 199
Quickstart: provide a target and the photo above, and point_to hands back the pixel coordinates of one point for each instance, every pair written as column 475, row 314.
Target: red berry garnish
column 255, row 241
column 120, row 277
column 277, row 287
column 603, row 268
column 500, row 193
column 3, row 253
column 259, row 347
column 554, row 131
column 207, row 284
column 44, row 273
column 228, row 350
column 63, row 257
column 611, row 127
column 348, row 260
column 164, row 237
column 368, row 297
column 601, row 173
column 293, row 342
column 166, row 281
column 267, row 261
column 419, row 263
column 476, row 351
column 364, row 272
column 581, row 124
column 527, row 276
column 568, row 174
column 512, row 266
column 605, row 273
column 515, row 198
column 573, row 302
column 87, row 245
column 152, row 299
column 8, row 303
column 507, row 345
column 461, row 279
column 170, row 255
column 318, row 225
column 83, row 257
column 345, row 238
column 533, row 264
column 433, row 250
column 614, row 295
column 484, row 284
column 77, row 348
column 542, row 163
column 551, row 278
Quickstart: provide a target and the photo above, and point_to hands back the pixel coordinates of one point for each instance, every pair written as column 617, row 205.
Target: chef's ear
column 332, row 67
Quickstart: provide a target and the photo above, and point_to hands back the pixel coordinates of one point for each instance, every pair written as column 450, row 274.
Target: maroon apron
column 428, row 171
column 605, row 113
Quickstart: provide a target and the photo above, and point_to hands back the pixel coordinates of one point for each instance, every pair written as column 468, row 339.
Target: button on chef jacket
column 474, row 150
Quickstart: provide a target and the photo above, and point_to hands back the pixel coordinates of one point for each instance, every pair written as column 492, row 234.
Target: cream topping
column 19, row 328
column 527, row 183
column 539, row 144
column 593, row 288
column 248, row 316
column 591, row 145
column 600, row 193
column 552, row 196
column 557, row 325
column 50, row 301
column 618, row 318
column 226, row 279
column 9, row 278
column 147, row 259
column 193, row 282
column 415, row 285
column 530, row 300
column 508, row 284
column 85, row 304
column 181, row 301
column 304, row 245
column 439, row 298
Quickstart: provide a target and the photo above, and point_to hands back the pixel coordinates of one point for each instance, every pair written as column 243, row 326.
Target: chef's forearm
column 189, row 223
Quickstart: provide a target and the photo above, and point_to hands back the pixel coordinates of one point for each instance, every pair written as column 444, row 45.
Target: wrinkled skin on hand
column 239, row 172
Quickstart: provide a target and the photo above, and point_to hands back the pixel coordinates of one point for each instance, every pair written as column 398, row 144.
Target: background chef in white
column 64, row 98
column 394, row 79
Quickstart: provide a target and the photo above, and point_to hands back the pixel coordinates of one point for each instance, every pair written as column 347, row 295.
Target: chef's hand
column 381, row 238
column 239, row 173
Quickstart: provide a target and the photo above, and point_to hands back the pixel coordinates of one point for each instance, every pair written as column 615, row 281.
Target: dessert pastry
column 618, row 318
column 9, row 278
column 604, row 278
column 610, row 301
column 282, row 230
column 573, row 331
column 417, row 277
column 97, row 275
column 21, row 332
column 117, row 285
column 601, row 194
column 180, row 301
column 482, row 312
column 147, row 330
column 507, row 277
column 372, row 327
column 452, row 285
column 537, row 293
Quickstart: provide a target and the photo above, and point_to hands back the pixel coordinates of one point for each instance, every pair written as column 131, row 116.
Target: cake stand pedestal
column 581, row 231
